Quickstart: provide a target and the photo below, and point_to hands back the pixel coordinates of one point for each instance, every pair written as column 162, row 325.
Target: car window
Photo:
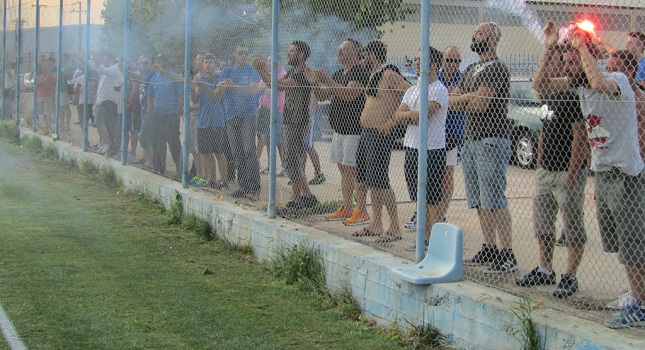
column 522, row 94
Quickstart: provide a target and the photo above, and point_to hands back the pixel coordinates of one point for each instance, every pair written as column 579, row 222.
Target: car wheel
column 525, row 149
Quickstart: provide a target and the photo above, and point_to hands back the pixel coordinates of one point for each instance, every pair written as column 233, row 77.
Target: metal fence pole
column 274, row 109
column 4, row 52
column 59, row 67
column 423, row 130
column 35, row 75
column 185, row 149
column 19, row 30
column 124, row 84
column 86, row 83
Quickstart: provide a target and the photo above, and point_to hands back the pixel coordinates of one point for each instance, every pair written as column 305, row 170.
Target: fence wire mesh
column 535, row 136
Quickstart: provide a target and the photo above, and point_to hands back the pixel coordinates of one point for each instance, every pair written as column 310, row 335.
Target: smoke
column 218, row 27
column 519, row 8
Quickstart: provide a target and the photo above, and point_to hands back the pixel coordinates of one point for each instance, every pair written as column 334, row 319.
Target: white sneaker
column 622, row 301
column 102, row 149
column 412, row 224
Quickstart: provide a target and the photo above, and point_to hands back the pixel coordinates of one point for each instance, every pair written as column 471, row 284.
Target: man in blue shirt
column 164, row 105
column 211, row 126
column 239, row 90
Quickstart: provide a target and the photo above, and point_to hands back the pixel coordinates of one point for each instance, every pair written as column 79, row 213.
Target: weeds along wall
column 335, row 143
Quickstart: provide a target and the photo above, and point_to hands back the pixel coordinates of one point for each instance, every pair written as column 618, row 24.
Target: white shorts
column 343, row 149
column 452, row 157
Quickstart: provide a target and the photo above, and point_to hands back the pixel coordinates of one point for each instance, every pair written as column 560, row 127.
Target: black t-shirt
column 345, row 116
column 296, row 104
column 563, row 110
column 493, row 122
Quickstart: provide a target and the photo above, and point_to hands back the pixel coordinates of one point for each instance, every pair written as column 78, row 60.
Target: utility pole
column 80, row 24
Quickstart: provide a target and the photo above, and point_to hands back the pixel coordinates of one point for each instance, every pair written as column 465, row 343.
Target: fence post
column 185, row 148
column 423, row 131
column 18, row 61
column 35, row 75
column 124, row 84
column 4, row 52
column 86, row 83
column 59, row 67
column 271, row 208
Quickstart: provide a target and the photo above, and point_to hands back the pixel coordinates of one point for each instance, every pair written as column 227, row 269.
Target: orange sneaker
column 339, row 214
column 358, row 218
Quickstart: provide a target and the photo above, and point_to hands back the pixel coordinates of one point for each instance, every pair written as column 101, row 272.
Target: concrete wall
column 474, row 316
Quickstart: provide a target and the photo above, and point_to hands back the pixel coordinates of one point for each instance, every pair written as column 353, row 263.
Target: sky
column 49, row 11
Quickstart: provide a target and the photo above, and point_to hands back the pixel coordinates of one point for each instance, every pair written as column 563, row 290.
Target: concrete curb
column 473, row 316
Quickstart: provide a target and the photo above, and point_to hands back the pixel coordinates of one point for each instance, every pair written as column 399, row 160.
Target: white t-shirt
column 110, row 77
column 612, row 127
column 437, row 92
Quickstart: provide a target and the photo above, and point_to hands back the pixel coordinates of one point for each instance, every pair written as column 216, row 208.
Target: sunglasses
column 144, row 62
column 408, row 65
column 242, row 53
column 452, row 60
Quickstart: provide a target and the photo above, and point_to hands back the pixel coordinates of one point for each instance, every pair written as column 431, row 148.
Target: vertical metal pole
column 86, row 83
column 273, row 131
column 124, row 86
column 4, row 53
column 423, row 130
column 59, row 67
column 18, row 61
column 35, row 76
column 189, row 24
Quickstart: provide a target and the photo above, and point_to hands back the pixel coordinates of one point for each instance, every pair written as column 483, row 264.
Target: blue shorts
column 484, row 165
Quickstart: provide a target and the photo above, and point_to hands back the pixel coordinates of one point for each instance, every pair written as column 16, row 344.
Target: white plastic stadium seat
column 444, row 261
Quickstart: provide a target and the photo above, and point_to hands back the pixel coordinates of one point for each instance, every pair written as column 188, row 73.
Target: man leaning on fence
column 608, row 103
column 298, row 86
column 483, row 93
column 164, row 108
column 239, row 89
column 559, row 182
column 408, row 114
column 345, row 88
column 383, row 93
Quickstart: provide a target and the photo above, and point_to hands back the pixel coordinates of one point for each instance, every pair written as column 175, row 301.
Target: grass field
column 87, row 266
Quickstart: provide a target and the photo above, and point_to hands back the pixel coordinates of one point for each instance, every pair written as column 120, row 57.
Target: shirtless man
column 383, row 96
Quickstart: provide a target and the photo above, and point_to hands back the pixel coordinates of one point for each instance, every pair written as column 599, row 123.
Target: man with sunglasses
column 240, row 91
column 483, row 94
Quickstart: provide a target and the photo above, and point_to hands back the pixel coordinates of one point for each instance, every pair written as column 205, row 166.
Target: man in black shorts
column 383, row 95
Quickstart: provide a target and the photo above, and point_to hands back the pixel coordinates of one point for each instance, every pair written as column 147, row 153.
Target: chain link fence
column 532, row 138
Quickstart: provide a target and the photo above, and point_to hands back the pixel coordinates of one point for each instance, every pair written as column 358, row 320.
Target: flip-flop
column 388, row 239
column 365, row 232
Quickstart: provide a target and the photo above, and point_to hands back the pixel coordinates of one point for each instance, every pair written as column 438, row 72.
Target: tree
column 362, row 14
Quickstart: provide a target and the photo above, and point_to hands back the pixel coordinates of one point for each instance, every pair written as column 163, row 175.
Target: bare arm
column 597, row 80
column 149, row 105
column 540, row 151
column 578, row 150
column 346, row 93
column 542, row 80
column 474, row 102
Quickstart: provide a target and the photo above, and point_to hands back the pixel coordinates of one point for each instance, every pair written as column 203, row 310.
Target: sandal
column 365, row 232
column 388, row 239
